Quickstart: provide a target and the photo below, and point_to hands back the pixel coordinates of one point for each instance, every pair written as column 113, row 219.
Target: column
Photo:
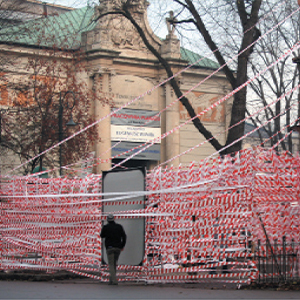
column 172, row 121
column 103, row 147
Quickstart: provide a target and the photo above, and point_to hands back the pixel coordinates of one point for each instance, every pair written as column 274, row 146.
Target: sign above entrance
column 136, row 117
column 135, row 134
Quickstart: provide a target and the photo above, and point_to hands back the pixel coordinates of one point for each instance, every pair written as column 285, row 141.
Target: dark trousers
column 113, row 256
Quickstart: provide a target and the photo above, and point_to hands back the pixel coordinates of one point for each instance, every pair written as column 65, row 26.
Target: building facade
column 142, row 110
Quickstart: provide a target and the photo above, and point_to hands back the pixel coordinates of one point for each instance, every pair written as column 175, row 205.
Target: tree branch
column 211, row 44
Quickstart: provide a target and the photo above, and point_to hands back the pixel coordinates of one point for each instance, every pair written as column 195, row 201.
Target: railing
column 278, row 262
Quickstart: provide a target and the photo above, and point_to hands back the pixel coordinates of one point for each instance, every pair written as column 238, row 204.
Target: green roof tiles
column 62, row 31
column 198, row 60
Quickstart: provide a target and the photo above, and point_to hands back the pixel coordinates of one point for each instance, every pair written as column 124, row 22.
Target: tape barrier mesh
column 202, row 221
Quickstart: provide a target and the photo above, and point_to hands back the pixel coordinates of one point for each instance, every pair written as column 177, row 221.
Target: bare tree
column 11, row 12
column 37, row 102
column 35, row 89
column 279, row 80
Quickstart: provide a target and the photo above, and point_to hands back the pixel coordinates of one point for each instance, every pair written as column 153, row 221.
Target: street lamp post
column 62, row 97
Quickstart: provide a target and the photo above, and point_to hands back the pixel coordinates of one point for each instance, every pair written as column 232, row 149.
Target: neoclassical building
column 123, row 70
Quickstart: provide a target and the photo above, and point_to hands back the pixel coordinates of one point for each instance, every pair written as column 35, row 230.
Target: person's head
column 110, row 218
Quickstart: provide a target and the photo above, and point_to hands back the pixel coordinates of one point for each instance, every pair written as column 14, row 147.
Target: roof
column 64, row 32
column 198, row 60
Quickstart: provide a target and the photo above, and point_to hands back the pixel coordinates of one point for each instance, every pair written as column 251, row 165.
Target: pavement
column 89, row 289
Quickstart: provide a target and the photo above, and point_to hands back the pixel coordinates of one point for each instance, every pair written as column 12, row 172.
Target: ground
column 30, row 275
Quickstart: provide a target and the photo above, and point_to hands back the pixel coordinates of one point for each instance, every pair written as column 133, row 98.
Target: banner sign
column 151, row 153
column 136, row 117
column 134, row 134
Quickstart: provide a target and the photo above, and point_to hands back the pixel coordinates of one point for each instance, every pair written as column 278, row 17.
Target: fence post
column 276, row 251
column 258, row 256
column 284, row 260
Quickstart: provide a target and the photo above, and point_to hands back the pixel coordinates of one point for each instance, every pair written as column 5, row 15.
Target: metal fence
column 278, row 262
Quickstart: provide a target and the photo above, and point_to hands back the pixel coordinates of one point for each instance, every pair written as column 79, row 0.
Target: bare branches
column 209, row 41
column 279, row 80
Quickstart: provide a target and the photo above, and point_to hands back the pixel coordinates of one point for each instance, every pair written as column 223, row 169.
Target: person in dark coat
column 115, row 240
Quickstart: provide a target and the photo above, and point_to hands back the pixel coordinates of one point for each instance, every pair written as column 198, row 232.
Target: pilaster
column 172, row 121
column 102, row 89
